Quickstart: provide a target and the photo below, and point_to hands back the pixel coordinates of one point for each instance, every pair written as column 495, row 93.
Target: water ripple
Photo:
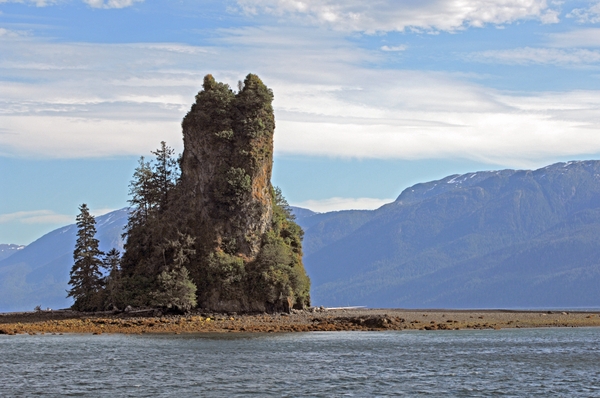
column 506, row 363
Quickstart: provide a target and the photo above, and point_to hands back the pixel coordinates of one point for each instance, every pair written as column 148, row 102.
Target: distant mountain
column 323, row 229
column 504, row 239
column 490, row 239
column 39, row 273
column 301, row 212
column 7, row 250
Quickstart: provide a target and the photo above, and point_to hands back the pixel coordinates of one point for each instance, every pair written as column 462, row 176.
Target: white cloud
column 335, row 204
column 81, row 137
column 37, row 3
column 394, row 48
column 76, row 100
column 393, row 15
column 91, row 3
column 36, row 217
column 111, row 3
column 6, row 33
column 586, row 15
column 528, row 56
column 576, row 38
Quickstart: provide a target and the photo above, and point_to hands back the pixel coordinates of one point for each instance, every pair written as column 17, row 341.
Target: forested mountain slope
column 490, row 239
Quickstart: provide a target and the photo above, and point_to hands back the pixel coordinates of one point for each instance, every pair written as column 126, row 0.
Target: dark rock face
column 227, row 162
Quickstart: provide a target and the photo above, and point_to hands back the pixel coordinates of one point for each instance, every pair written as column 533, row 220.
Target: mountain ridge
column 412, row 241
column 492, row 239
column 8, row 249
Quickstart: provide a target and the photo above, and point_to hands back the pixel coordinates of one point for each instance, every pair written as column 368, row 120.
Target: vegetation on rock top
column 209, row 229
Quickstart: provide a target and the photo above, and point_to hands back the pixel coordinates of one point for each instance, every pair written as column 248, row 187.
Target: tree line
column 98, row 280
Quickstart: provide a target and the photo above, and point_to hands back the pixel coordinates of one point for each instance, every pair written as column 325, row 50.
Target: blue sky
column 370, row 97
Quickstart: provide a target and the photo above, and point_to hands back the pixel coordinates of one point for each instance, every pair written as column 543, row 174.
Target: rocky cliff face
column 221, row 219
column 227, row 162
column 248, row 248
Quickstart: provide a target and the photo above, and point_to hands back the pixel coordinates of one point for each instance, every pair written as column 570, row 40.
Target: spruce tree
column 86, row 279
column 144, row 195
column 176, row 290
column 148, row 226
column 175, row 287
column 113, row 281
column 164, row 173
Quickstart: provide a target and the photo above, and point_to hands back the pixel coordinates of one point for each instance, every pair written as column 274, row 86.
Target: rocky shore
column 315, row 319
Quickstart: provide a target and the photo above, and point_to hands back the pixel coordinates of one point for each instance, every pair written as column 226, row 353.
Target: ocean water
column 513, row 363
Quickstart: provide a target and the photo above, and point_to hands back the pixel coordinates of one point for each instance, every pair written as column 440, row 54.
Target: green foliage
column 175, row 290
column 278, row 272
column 179, row 250
column 232, row 188
column 171, row 248
column 143, row 193
column 225, row 134
column 212, row 110
column 281, row 205
column 152, row 184
column 85, row 276
column 224, row 272
column 239, row 184
column 255, row 111
column 149, row 229
column 164, row 174
column 136, row 291
column 284, row 224
column 113, row 282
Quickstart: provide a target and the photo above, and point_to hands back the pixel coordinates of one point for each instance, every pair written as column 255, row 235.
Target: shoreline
column 316, row 319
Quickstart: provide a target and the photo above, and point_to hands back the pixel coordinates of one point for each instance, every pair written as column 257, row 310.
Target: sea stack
column 248, row 247
column 210, row 230
column 227, row 162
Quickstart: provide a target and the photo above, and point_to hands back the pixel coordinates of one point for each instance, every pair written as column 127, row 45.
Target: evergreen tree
column 111, row 262
column 113, row 282
column 176, row 290
column 86, row 279
column 164, row 173
column 148, row 226
column 281, row 201
column 152, row 185
column 175, row 287
column 144, row 196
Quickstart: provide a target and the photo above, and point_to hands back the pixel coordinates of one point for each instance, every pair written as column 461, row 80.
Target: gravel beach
column 314, row 319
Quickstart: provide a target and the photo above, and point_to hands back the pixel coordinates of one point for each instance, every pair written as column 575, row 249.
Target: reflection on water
column 526, row 362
